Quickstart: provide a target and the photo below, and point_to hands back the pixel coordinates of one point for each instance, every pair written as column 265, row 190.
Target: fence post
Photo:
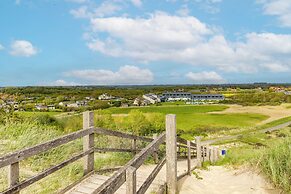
column 13, row 174
column 171, row 153
column 189, row 157
column 88, row 142
column 131, row 180
column 198, row 150
column 207, row 152
column 155, row 154
column 133, row 146
column 212, row 155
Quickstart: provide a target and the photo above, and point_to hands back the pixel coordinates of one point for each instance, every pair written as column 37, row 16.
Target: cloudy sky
column 94, row 42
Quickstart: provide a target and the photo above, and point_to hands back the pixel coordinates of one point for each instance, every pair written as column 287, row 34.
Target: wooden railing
column 176, row 148
column 87, row 133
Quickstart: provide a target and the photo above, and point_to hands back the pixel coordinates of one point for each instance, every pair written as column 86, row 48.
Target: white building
column 106, row 97
column 152, row 98
column 41, row 107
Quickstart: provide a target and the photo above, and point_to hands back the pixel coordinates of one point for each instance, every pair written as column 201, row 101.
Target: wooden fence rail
column 176, row 147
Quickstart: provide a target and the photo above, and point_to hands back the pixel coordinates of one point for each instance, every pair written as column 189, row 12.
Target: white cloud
column 137, row 3
column 209, row 6
column 279, row 8
column 183, row 11
column 106, row 8
column 1, row 47
column 23, row 48
column 162, row 37
column 275, row 67
column 125, row 75
column 206, row 77
column 61, row 82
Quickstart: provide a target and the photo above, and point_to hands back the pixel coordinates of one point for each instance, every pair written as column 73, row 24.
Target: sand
column 220, row 180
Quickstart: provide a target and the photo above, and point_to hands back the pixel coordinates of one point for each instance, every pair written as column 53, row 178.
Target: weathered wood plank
column 171, row 154
column 13, row 175
column 88, row 142
column 120, row 134
column 151, row 177
column 45, row 173
column 189, row 157
column 25, row 153
column 131, row 180
column 198, row 151
column 184, row 141
column 115, row 150
column 115, row 181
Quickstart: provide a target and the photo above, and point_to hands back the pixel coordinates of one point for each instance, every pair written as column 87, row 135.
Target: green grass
column 170, row 109
column 191, row 117
column 276, row 122
column 32, row 114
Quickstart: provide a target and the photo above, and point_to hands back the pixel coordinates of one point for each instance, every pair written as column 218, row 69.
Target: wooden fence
column 176, row 148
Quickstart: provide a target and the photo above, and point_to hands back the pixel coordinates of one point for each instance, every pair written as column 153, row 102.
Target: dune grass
column 271, row 153
column 26, row 133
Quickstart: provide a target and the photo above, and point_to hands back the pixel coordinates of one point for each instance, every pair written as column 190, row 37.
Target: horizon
column 153, row 85
column 144, row 43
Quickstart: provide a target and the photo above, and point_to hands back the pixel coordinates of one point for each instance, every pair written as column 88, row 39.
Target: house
column 152, row 98
column 89, row 98
column 72, row 105
column 82, row 103
column 106, row 97
column 141, row 102
column 51, row 107
column 41, row 107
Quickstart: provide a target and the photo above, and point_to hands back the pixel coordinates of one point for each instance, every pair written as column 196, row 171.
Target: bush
column 46, row 120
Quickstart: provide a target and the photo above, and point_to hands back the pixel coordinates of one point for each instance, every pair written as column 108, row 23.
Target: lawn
column 191, row 117
column 171, row 109
column 31, row 114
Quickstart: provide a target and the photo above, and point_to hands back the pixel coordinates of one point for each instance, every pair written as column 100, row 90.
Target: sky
column 143, row 42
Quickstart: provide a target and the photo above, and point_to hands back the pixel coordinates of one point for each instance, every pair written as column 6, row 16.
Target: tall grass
column 276, row 164
column 25, row 133
column 271, row 153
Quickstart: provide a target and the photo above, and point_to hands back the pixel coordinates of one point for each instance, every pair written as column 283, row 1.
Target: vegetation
column 193, row 120
column 271, row 153
column 258, row 98
column 25, row 132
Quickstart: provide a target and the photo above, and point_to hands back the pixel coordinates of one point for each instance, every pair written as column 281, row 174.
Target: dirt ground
column 274, row 112
column 220, row 180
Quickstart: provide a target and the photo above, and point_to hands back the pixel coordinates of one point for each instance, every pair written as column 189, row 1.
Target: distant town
column 13, row 100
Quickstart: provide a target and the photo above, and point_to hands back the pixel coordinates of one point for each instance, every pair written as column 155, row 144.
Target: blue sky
column 90, row 42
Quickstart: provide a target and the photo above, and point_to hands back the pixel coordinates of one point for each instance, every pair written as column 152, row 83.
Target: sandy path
column 274, row 112
column 220, row 180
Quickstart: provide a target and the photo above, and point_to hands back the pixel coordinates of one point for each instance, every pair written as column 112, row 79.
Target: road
column 270, row 129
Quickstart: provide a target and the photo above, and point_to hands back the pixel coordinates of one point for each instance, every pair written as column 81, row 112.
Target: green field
column 31, row 114
column 191, row 117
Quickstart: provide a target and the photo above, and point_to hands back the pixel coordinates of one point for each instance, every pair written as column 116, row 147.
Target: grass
column 271, row 153
column 191, row 117
column 276, row 122
column 26, row 133
column 32, row 114
column 170, row 109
